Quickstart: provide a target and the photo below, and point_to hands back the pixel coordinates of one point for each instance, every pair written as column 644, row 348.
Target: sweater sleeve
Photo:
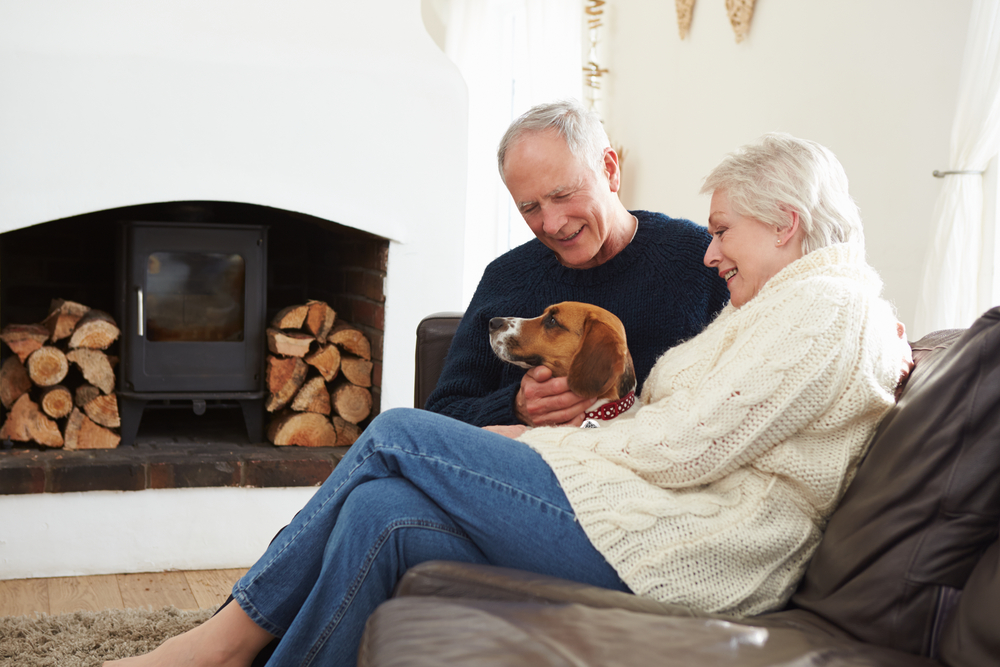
column 471, row 387
column 721, row 400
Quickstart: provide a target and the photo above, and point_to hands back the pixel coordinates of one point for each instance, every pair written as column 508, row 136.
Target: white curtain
column 950, row 295
column 513, row 54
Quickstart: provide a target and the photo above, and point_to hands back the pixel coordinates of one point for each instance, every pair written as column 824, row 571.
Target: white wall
column 107, row 532
column 874, row 80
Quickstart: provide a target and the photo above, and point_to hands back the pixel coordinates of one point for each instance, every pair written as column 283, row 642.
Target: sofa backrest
column 925, row 504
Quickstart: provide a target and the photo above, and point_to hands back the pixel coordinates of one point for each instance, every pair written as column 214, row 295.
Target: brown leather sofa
column 908, row 573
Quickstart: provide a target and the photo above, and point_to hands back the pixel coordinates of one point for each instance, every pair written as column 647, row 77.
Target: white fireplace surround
column 346, row 111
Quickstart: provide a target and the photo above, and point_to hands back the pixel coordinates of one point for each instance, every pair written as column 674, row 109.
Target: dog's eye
column 550, row 322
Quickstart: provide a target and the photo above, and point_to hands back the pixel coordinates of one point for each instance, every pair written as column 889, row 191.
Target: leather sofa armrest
column 487, row 582
column 434, row 334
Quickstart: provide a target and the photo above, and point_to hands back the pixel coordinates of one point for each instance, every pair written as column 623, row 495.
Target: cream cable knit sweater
column 716, row 493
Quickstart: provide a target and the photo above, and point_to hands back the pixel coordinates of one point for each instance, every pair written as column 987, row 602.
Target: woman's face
column 746, row 252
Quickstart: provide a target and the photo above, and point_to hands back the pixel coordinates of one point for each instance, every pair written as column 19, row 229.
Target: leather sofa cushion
column 972, row 636
column 437, row 632
column 924, row 505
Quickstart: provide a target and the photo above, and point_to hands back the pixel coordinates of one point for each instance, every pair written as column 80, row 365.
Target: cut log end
column 291, row 344
column 96, row 368
column 14, row 381
column 326, row 360
column 57, row 401
column 347, row 433
column 103, row 409
column 285, row 376
column 291, row 317
column 350, row 340
column 320, row 319
column 312, row 397
column 351, row 402
column 26, row 423
column 356, row 370
column 305, row 429
column 95, row 331
column 23, row 339
column 63, row 317
column 47, row 366
column 83, row 433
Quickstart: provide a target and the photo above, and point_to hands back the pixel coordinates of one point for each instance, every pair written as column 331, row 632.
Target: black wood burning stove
column 191, row 303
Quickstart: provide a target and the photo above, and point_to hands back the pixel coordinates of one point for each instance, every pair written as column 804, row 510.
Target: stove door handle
column 139, row 310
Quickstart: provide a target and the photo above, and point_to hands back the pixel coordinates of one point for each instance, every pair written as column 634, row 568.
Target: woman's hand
column 509, row 431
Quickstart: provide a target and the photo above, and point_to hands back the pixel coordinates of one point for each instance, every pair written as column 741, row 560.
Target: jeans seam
column 365, row 570
column 243, row 600
column 376, row 447
column 309, row 519
column 511, row 489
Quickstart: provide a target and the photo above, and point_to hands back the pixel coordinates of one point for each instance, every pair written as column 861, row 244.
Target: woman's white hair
column 581, row 129
column 779, row 173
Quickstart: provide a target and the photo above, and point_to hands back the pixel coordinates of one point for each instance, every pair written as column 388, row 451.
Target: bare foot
column 228, row 639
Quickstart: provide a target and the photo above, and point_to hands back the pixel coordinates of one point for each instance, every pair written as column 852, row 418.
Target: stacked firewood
column 48, row 402
column 319, row 377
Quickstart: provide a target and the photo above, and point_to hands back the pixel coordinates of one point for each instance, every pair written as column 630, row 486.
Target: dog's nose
column 496, row 323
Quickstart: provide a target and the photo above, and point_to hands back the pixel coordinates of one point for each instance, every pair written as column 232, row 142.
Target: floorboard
column 67, row 594
column 198, row 589
column 155, row 590
column 21, row 597
column 212, row 587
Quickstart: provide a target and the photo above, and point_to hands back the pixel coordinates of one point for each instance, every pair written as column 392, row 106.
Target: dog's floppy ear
column 628, row 381
column 599, row 361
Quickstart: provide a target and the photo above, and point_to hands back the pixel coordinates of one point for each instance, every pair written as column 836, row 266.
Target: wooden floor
column 59, row 595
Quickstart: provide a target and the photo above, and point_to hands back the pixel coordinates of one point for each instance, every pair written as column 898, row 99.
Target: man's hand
column 509, row 431
column 544, row 400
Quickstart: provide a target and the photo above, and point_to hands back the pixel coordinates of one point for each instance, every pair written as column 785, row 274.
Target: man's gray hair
column 779, row 173
column 581, row 129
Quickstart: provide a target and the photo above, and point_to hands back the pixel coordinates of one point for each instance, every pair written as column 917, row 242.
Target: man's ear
column 597, row 363
column 612, row 169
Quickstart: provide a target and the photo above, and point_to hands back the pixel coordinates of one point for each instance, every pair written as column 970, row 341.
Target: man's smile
column 571, row 236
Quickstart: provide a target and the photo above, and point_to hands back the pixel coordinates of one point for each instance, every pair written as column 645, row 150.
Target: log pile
column 58, row 385
column 319, row 377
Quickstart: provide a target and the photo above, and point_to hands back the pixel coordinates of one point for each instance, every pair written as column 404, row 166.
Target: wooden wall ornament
column 740, row 12
column 593, row 12
column 684, row 10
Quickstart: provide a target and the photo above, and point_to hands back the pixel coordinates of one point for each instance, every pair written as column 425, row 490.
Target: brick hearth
column 166, row 457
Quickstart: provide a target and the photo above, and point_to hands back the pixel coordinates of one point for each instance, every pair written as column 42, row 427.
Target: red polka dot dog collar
column 613, row 409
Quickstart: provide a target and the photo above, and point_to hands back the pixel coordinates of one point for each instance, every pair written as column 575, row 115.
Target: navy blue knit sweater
column 658, row 287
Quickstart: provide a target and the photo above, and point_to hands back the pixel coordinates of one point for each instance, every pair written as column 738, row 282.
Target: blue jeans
column 415, row 487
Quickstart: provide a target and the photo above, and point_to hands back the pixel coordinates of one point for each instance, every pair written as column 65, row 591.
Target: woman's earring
column 778, row 242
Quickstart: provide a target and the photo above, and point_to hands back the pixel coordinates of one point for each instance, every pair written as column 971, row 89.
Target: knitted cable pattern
column 716, row 493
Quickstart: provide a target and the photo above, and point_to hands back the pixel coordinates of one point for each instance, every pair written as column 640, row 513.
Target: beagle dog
column 578, row 341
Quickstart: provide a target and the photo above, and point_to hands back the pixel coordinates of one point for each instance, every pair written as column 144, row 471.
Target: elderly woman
column 714, row 495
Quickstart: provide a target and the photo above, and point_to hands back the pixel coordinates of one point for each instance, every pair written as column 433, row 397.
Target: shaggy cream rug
column 87, row 638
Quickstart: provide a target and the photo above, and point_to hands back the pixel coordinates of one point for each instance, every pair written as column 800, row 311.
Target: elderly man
column 645, row 267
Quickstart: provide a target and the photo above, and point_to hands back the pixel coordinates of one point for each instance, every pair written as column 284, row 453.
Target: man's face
column 566, row 203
